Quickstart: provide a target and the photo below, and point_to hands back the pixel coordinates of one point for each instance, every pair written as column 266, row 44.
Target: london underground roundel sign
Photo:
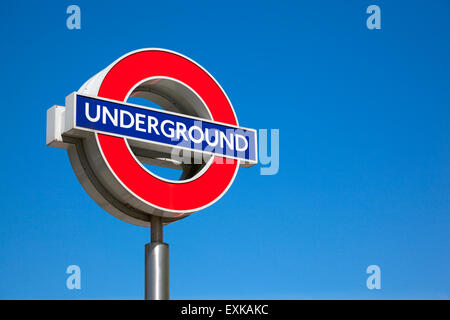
column 109, row 140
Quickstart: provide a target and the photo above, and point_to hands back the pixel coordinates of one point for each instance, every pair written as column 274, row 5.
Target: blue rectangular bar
column 165, row 128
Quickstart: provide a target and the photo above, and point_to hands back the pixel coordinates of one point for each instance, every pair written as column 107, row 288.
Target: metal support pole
column 156, row 264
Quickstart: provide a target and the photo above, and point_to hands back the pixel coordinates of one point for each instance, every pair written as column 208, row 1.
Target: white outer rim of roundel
column 92, row 86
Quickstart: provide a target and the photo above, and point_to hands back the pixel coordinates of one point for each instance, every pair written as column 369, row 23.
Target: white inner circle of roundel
column 173, row 96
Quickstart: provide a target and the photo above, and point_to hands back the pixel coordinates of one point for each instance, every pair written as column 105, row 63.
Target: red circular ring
column 175, row 197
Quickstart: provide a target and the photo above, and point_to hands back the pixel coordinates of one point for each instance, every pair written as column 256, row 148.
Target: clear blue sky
column 364, row 151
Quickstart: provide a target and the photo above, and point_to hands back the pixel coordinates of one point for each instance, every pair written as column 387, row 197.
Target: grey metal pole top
column 156, row 264
column 156, row 229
